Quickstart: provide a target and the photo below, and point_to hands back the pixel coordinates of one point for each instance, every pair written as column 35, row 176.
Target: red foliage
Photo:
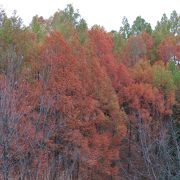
column 102, row 45
column 90, row 122
column 178, row 51
column 68, row 102
column 147, row 40
column 166, row 49
column 135, row 50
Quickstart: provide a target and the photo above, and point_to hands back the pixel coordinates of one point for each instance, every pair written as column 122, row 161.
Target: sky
column 107, row 13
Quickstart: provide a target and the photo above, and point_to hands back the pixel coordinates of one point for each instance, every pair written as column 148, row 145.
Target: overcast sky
column 107, row 13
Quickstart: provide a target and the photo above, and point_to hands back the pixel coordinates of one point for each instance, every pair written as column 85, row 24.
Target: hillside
column 86, row 104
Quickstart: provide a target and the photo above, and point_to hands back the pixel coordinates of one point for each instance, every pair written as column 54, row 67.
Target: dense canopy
column 79, row 103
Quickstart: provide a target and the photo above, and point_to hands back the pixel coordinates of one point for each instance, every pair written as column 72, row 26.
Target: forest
column 79, row 103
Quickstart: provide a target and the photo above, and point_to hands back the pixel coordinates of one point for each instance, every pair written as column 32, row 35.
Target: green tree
column 118, row 44
column 67, row 21
column 37, row 27
column 175, row 73
column 140, row 25
column 162, row 28
column 82, row 30
column 175, row 23
column 71, row 15
column 8, row 26
column 163, row 79
column 125, row 30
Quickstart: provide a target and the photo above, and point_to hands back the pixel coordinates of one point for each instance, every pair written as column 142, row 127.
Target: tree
column 89, row 124
column 12, row 98
column 39, row 27
column 175, row 23
column 142, row 99
column 79, row 103
column 71, row 15
column 135, row 50
column 118, row 45
column 166, row 49
column 8, row 26
column 140, row 25
column 82, row 30
column 162, row 30
column 67, row 21
column 103, row 47
column 177, row 50
column 125, row 30
column 147, row 39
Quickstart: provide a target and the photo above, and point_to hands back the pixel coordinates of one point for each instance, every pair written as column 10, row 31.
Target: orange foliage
column 166, row 49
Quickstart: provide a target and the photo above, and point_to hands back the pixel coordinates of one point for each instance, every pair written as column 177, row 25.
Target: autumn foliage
column 79, row 103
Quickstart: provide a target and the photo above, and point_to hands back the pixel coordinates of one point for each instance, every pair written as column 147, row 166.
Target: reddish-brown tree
column 166, row 49
column 135, row 50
